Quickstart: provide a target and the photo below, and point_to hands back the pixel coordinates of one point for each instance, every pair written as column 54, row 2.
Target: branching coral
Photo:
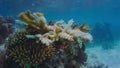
column 40, row 42
column 38, row 21
column 27, row 53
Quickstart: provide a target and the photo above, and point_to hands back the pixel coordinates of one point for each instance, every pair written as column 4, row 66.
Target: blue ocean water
column 89, row 11
column 82, row 11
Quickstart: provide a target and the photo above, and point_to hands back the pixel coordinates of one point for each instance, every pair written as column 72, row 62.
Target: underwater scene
column 59, row 33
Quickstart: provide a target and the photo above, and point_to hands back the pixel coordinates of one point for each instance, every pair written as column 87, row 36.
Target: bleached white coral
column 45, row 41
column 50, row 27
column 82, row 35
column 65, row 36
column 58, row 30
column 47, row 34
column 68, row 25
column 59, row 23
column 86, row 36
column 74, row 32
column 40, row 17
column 33, row 36
column 42, row 38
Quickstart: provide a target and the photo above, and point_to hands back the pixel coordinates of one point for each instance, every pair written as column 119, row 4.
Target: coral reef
column 6, row 27
column 43, row 45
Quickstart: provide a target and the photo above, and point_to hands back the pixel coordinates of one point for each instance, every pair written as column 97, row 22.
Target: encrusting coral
column 39, row 43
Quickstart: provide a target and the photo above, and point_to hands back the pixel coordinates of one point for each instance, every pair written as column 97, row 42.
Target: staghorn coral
column 40, row 43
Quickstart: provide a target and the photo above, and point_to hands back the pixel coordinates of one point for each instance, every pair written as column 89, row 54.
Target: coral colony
column 40, row 45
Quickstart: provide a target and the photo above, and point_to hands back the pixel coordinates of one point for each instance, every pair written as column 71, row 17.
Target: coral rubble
column 45, row 45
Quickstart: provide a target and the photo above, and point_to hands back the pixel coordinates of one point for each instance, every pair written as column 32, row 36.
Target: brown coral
column 28, row 53
column 75, row 26
column 31, row 22
column 26, row 16
column 46, row 52
column 84, row 28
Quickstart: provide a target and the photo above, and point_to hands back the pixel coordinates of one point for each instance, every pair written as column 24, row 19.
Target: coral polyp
column 40, row 44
